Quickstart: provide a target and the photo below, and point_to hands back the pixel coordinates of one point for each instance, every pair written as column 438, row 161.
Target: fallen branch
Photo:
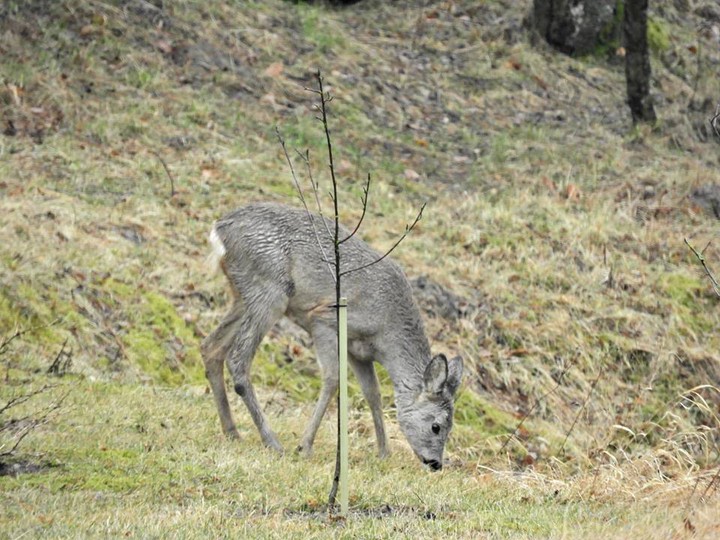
column 167, row 171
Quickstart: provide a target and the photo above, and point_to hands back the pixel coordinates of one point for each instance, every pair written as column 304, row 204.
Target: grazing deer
column 272, row 258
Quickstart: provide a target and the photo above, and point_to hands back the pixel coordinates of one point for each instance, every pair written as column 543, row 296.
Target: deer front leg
column 365, row 373
column 325, row 340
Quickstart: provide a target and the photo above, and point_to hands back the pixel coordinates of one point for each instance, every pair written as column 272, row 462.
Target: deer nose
column 434, row 464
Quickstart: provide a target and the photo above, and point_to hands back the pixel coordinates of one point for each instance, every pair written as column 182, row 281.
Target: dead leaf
column 208, row 173
column 572, row 192
column 693, row 49
column 164, row 46
column 549, row 183
column 411, row 175
column 15, row 93
column 344, row 166
column 268, row 98
column 274, row 70
column 514, row 64
column 88, row 30
column 542, row 84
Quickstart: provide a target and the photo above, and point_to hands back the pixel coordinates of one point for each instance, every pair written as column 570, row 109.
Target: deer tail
column 217, row 250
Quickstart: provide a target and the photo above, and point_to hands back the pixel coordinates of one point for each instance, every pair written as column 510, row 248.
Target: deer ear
column 436, row 374
column 455, row 373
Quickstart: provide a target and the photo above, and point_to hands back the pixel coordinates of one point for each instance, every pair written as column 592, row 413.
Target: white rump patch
column 217, row 252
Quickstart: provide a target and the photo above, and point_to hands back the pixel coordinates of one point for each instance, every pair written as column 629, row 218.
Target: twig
column 14, row 402
column 698, row 73
column 582, row 408
column 207, row 300
column 301, row 195
column 364, row 199
column 167, row 171
column 535, row 405
column 701, row 257
column 58, row 367
column 315, row 188
column 35, row 422
column 713, row 481
column 408, row 228
column 714, row 121
column 5, row 343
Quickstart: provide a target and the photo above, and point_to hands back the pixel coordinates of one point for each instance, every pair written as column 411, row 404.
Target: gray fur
column 271, row 258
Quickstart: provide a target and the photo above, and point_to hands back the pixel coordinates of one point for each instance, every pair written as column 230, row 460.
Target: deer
column 273, row 257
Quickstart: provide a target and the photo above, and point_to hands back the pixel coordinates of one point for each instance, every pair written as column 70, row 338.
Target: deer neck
column 406, row 366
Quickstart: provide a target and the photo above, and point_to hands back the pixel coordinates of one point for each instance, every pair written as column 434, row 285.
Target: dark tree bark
column 637, row 61
column 575, row 27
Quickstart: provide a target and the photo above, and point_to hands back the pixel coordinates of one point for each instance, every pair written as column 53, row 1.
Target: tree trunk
column 637, row 61
column 575, row 27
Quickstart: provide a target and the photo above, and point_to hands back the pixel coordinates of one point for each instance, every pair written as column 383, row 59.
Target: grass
column 562, row 227
column 170, row 465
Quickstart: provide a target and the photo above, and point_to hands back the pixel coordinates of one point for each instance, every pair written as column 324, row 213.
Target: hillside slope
column 583, row 317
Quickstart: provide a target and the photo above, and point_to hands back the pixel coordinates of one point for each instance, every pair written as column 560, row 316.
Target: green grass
column 156, row 472
column 560, row 224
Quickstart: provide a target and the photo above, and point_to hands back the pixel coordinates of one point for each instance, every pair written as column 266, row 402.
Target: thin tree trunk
column 637, row 61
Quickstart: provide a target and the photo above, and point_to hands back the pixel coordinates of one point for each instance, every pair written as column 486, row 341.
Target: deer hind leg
column 365, row 373
column 261, row 311
column 325, row 339
column 214, row 348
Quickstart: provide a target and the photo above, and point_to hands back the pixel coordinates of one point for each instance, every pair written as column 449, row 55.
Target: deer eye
column 436, row 428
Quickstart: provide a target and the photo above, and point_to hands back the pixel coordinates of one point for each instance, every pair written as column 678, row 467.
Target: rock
column 709, row 12
column 707, row 197
column 575, row 27
column 437, row 301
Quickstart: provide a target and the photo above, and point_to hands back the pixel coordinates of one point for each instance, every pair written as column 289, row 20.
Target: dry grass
column 563, row 227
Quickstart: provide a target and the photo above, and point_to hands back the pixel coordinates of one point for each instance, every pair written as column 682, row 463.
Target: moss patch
column 658, row 35
column 161, row 343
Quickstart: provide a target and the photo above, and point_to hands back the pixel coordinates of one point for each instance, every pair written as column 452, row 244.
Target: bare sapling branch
column 315, row 188
column 14, row 402
column 408, row 229
column 31, row 422
column 15, row 430
column 5, row 343
column 332, row 228
column 701, row 257
column 324, row 100
column 364, row 200
column 301, row 195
